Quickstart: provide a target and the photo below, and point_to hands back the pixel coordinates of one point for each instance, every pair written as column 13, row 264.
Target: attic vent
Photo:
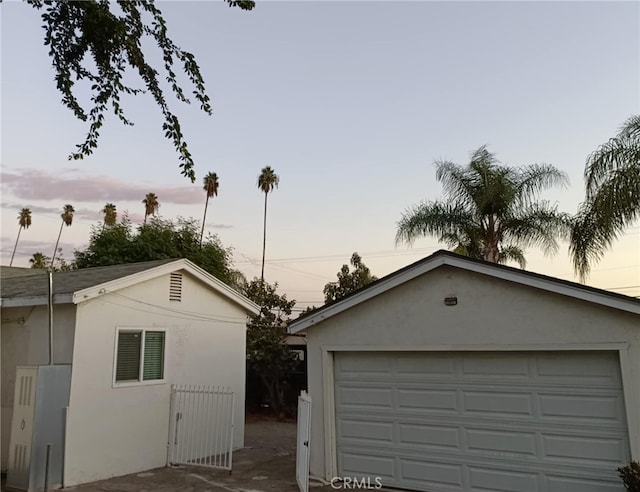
column 175, row 287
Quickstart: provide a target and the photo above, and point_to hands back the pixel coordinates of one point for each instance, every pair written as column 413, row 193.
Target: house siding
column 25, row 342
column 490, row 314
column 113, row 431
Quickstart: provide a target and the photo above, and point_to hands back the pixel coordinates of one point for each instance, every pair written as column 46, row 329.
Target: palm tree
column 67, row 219
column 267, row 181
column 151, row 205
column 39, row 261
column 24, row 221
column 211, row 185
column 490, row 211
column 612, row 203
column 110, row 215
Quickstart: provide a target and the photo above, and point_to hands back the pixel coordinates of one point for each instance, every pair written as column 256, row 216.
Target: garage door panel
column 361, row 364
column 485, row 479
column 362, row 465
column 447, row 476
column 417, row 366
column 427, row 400
column 587, row 451
column 356, row 396
column 381, row 432
column 500, row 404
column 582, row 406
column 600, row 369
column 429, row 436
column 569, row 484
column 478, row 422
column 524, row 431
column 502, row 367
column 492, row 441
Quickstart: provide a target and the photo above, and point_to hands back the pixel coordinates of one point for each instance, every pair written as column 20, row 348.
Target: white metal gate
column 302, row 451
column 201, row 426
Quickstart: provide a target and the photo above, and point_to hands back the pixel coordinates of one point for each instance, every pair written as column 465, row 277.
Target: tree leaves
column 490, row 211
column 98, row 41
column 612, row 176
column 348, row 281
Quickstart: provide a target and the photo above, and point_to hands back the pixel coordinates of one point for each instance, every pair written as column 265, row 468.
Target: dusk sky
column 350, row 103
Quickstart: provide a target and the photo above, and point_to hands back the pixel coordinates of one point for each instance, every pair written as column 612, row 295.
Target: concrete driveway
column 267, row 463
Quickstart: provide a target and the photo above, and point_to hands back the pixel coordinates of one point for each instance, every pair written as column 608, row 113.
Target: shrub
column 630, row 475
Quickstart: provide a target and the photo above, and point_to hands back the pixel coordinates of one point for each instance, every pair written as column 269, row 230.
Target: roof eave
column 7, row 302
column 181, row 264
column 444, row 258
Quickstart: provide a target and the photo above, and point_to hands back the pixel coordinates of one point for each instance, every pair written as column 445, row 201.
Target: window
column 140, row 356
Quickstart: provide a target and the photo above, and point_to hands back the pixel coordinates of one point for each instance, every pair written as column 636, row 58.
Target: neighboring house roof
column 10, row 272
column 440, row 258
column 75, row 286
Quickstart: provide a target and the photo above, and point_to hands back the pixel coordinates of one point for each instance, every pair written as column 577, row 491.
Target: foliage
column 268, row 355
column 24, row 222
column 24, row 218
column 490, row 211
column 630, row 475
column 158, row 239
column 348, row 281
column 39, row 261
column 67, row 219
column 98, row 41
column 612, row 201
column 210, row 186
column 267, row 181
column 151, row 205
column 307, row 310
column 110, row 215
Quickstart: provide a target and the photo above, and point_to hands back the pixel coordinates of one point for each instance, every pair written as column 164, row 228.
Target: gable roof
column 10, row 272
column 75, row 286
column 442, row 257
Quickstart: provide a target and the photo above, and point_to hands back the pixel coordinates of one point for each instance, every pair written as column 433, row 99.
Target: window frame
column 140, row 381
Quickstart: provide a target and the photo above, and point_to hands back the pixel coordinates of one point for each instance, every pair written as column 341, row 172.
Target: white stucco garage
column 456, row 374
column 127, row 332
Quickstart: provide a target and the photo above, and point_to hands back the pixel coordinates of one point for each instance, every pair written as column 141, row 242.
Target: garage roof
column 442, row 257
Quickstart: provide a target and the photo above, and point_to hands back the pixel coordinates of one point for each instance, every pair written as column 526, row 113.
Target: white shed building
column 457, row 374
column 128, row 332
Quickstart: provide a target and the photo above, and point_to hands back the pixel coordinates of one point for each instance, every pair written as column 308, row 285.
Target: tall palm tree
column 267, row 181
column 39, row 261
column 24, row 221
column 67, row 219
column 110, row 215
column 151, row 205
column 612, row 203
column 490, row 211
column 211, row 185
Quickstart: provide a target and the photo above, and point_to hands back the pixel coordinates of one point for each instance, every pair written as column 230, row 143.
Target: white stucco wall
column 25, row 341
column 118, row 430
column 491, row 314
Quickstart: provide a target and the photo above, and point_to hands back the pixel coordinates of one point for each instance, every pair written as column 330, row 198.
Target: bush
column 630, row 475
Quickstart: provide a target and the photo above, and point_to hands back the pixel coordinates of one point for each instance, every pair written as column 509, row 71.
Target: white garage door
column 518, row 421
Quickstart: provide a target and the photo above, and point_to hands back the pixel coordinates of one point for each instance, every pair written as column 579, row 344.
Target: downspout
column 50, row 305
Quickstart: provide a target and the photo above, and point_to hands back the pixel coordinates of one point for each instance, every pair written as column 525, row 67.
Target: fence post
column 170, row 437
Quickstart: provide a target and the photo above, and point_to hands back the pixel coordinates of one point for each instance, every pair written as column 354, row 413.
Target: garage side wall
column 116, row 429
column 490, row 314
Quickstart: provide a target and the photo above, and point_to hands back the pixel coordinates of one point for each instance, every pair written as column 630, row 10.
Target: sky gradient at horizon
column 350, row 103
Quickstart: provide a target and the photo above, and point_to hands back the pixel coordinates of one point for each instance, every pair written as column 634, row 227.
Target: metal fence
column 201, row 426
column 302, row 451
